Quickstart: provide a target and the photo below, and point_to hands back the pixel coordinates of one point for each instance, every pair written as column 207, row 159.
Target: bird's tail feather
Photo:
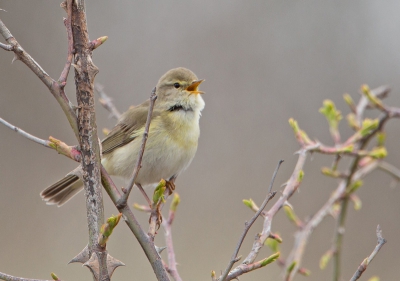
column 62, row 191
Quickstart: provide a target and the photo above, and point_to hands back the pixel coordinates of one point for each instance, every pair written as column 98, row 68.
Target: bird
column 171, row 145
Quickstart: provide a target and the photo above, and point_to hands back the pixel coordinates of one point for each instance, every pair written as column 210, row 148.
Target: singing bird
column 172, row 141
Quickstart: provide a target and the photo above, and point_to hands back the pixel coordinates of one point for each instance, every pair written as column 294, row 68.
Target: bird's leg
column 155, row 219
column 170, row 184
column 144, row 193
column 158, row 201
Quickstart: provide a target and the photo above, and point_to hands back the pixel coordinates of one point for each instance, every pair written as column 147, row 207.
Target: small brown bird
column 172, row 142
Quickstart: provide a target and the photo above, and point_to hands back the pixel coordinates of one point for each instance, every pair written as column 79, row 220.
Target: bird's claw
column 170, row 185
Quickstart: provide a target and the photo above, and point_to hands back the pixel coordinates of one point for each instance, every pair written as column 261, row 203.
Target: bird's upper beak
column 193, row 88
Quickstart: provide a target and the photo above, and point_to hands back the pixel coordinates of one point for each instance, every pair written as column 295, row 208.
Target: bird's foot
column 170, row 185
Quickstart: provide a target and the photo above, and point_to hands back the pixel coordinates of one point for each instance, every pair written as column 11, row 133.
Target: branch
column 85, row 72
column 56, row 88
column 363, row 266
column 62, row 148
column 124, row 197
column 248, row 225
column 355, row 172
column 144, row 240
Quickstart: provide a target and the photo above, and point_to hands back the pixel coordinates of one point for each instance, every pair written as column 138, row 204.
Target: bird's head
column 178, row 89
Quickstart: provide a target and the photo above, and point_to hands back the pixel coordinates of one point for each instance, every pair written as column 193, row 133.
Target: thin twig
column 25, row 134
column 53, row 143
column 363, row 266
column 248, row 225
column 7, row 277
column 106, row 101
column 6, row 47
column 138, row 165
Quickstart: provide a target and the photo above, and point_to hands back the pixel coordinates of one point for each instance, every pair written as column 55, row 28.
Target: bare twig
column 363, row 266
column 138, row 165
column 106, row 101
column 6, row 47
column 7, row 277
column 291, row 186
column 25, row 134
column 248, row 225
column 62, row 148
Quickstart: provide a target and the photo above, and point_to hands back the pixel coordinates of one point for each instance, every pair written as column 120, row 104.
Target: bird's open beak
column 193, row 88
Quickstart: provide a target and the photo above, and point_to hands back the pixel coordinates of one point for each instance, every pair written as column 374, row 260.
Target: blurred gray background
column 264, row 62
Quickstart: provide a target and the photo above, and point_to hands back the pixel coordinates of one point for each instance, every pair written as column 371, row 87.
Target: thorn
column 82, row 257
column 93, row 265
column 160, row 249
column 15, row 58
column 112, row 264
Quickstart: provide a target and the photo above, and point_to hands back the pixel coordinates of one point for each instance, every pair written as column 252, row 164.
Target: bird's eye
column 177, row 85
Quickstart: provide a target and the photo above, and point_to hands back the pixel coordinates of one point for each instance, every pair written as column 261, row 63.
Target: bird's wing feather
column 124, row 132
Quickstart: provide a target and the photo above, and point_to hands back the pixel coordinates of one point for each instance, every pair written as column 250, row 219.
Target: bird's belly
column 162, row 159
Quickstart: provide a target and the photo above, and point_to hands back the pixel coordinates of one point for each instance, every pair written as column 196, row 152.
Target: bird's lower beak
column 193, row 88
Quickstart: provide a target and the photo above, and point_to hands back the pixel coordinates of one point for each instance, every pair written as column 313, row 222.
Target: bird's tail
column 63, row 190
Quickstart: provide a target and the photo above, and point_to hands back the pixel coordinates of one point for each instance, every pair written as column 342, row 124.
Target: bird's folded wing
column 124, row 132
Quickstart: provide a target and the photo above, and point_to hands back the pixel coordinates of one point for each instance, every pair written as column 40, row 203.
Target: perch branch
column 138, row 165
